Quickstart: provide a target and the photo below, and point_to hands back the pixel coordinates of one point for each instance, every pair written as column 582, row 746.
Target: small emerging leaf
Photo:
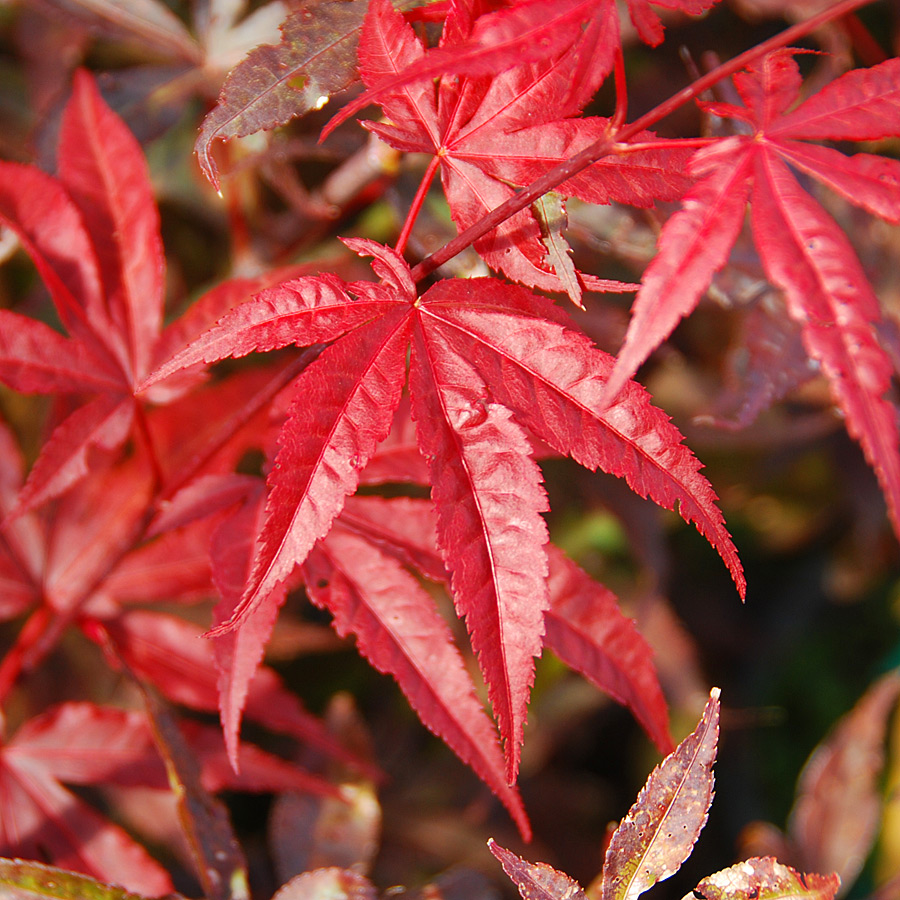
column 765, row 879
column 537, row 881
column 660, row 830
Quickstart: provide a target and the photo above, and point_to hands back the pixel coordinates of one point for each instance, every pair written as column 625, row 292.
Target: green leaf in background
column 21, row 880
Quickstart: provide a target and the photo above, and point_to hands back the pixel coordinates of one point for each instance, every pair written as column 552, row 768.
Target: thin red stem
column 621, row 91
column 606, row 145
column 673, row 144
column 19, row 657
column 416, row 206
column 140, row 416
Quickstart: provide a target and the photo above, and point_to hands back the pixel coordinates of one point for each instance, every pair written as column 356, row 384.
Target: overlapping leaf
column 491, row 134
column 802, row 249
column 487, row 359
column 79, row 744
column 315, row 59
column 530, row 31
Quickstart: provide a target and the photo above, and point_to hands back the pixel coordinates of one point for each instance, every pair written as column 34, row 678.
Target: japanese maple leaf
column 527, row 31
column 488, row 361
column 360, row 573
column 82, row 744
column 490, row 134
column 93, row 234
column 84, row 560
column 94, row 237
column 803, row 251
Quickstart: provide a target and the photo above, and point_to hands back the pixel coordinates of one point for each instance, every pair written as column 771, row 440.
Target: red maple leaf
column 78, row 743
column 489, row 134
column 94, row 237
column 493, row 41
column 93, row 234
column 803, row 251
column 358, row 573
column 489, row 360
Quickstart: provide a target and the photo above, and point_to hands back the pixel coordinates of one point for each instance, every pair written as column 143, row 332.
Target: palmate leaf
column 399, row 631
column 804, row 252
column 82, row 744
column 94, row 238
column 487, row 359
column 492, row 134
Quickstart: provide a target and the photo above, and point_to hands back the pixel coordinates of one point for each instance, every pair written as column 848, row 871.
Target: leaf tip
column 222, row 628
column 207, row 163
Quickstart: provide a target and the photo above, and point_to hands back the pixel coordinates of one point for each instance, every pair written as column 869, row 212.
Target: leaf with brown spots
column 537, row 881
column 660, row 830
column 315, row 59
column 765, row 879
